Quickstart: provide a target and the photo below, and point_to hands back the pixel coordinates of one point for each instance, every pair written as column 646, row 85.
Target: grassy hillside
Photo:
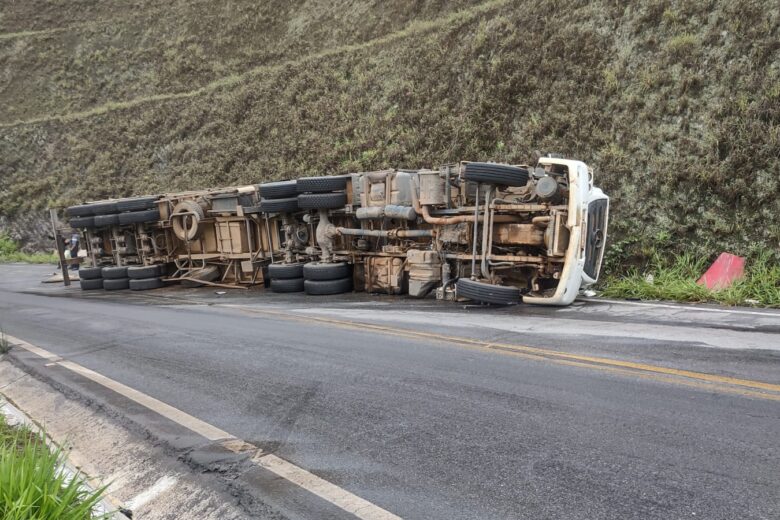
column 676, row 104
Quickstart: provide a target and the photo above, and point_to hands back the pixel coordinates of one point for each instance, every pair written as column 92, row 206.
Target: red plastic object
column 723, row 271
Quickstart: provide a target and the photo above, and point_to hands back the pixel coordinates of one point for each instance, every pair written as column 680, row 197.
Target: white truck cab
column 588, row 215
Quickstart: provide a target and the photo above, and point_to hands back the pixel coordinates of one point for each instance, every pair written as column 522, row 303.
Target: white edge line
column 767, row 314
column 203, row 428
column 359, row 507
column 193, row 423
column 328, row 491
column 162, row 485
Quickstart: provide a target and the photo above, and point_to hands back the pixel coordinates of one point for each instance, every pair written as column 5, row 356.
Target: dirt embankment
column 676, row 104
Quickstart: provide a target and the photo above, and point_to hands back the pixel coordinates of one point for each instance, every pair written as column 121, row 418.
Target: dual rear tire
column 286, row 278
column 279, row 197
column 135, row 278
column 323, row 279
column 322, row 192
column 314, row 278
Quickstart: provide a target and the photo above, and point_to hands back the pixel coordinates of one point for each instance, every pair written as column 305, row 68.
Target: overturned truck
column 487, row 232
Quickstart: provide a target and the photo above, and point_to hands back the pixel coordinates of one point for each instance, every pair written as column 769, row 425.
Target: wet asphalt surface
column 429, row 428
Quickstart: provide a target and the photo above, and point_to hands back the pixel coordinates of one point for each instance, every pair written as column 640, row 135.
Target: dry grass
column 675, row 103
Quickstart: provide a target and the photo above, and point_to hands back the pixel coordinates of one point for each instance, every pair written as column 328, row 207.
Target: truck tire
column 278, row 190
column 187, row 213
column 325, row 287
column 82, row 222
column 285, row 271
column 321, row 184
column 90, row 273
column 113, row 273
column 288, row 205
column 91, row 284
column 106, row 220
column 322, row 200
column 500, row 174
column 82, row 210
column 488, row 293
column 137, row 204
column 104, row 208
column 116, row 284
column 286, row 285
column 145, row 284
column 319, row 271
column 139, row 217
column 210, row 273
column 140, row 272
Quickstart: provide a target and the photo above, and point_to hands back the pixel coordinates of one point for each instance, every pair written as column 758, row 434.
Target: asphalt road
column 440, row 410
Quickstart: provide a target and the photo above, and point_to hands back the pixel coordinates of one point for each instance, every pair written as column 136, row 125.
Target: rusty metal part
column 384, row 274
column 388, row 211
column 425, row 271
column 486, row 234
column 524, row 259
column 432, row 188
column 326, row 232
column 391, row 233
column 425, row 212
column 522, row 208
column 204, row 282
column 556, row 236
column 518, row 234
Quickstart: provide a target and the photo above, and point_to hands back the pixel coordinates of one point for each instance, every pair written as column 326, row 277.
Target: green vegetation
column 5, row 345
column 9, row 252
column 675, row 103
column 674, row 278
column 32, row 483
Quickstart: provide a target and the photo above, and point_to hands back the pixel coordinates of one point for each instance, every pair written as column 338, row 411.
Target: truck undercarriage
column 493, row 233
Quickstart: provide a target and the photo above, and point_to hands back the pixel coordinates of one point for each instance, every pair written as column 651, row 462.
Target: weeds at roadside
column 5, row 345
column 675, row 278
column 32, row 481
column 9, row 252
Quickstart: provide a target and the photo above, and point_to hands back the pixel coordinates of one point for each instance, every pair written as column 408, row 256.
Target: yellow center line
column 659, row 373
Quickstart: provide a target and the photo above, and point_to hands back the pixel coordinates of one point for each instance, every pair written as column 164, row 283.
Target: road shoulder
column 141, row 476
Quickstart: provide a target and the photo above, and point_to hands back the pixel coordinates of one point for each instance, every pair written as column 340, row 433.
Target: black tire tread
column 288, row 205
column 91, row 284
column 114, row 272
column 285, row 271
column 488, row 293
column 139, row 217
column 501, row 174
column 90, row 273
column 278, row 190
column 326, row 287
column 104, row 208
column 116, row 284
column 322, row 200
column 106, row 220
column 82, row 222
column 137, row 204
column 321, row 271
column 141, row 272
column 321, row 184
column 82, row 210
column 287, row 285
column 145, row 284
